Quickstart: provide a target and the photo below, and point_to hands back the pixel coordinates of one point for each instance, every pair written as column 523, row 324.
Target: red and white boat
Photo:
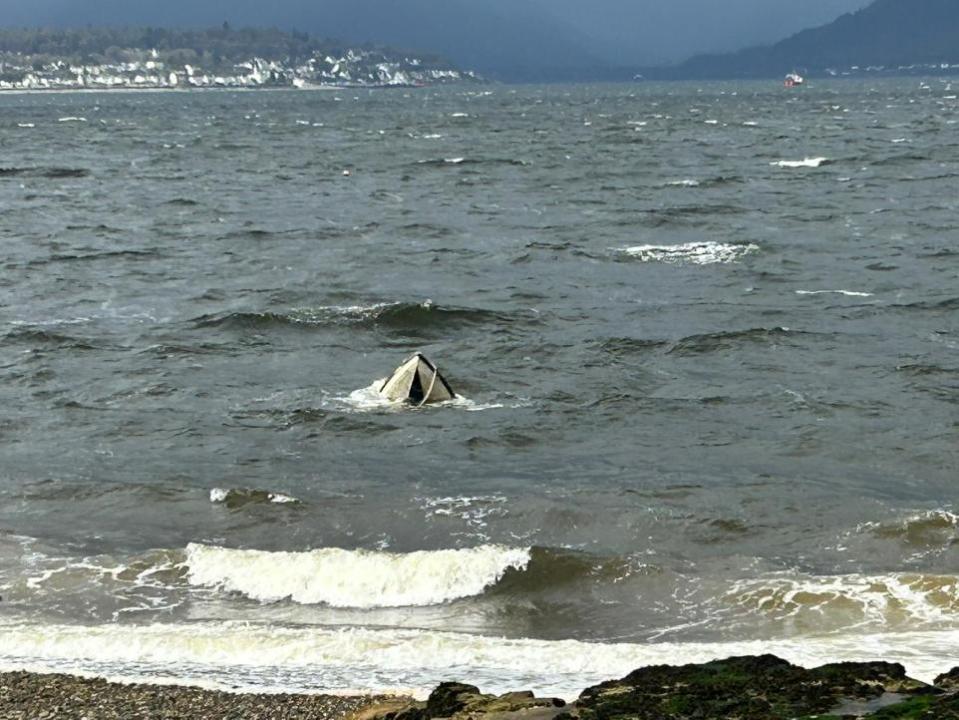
column 794, row 79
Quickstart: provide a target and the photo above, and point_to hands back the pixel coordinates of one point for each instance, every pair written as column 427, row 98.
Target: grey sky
column 555, row 31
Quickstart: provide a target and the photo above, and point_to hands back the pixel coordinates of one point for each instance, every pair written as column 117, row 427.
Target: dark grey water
column 707, row 337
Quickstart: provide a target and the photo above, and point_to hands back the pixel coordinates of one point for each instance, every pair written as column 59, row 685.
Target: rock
column 460, row 701
column 949, row 681
column 746, row 688
column 450, row 698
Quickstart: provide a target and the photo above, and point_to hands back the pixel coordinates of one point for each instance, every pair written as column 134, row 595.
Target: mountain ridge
column 891, row 35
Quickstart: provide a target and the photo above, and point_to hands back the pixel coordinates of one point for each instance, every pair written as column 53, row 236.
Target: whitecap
column 72, row 118
column 354, row 578
column 697, row 253
column 244, row 496
column 848, row 293
column 454, row 161
column 26, row 125
column 805, row 163
column 683, row 183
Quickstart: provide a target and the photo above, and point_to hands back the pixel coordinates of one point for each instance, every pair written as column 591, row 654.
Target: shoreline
column 761, row 687
column 31, row 695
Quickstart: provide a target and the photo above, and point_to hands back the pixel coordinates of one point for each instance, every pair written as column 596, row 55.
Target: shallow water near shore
column 705, row 336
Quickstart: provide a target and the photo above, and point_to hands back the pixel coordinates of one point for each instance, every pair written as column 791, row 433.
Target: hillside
column 511, row 39
column 109, row 57
column 889, row 36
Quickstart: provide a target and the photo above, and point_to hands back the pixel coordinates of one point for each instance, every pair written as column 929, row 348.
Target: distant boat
column 794, row 79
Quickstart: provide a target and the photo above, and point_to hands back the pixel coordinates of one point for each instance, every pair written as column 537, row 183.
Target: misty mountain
column 890, row 33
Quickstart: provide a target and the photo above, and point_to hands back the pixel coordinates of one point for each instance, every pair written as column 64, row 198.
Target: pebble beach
column 30, row 696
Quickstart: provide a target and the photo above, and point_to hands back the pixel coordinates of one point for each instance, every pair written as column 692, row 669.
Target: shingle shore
column 28, row 696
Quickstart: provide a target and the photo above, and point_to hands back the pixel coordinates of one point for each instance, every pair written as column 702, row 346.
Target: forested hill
column 889, row 35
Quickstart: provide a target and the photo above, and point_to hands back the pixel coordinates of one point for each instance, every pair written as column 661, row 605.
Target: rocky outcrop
column 745, row 688
column 748, row 688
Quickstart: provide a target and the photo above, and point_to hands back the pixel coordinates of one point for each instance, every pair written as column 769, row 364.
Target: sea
column 704, row 336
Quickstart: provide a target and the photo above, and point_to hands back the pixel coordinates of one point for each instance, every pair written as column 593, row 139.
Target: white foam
column 72, row 119
column 474, row 510
column 369, row 399
column 218, row 495
column 221, row 495
column 806, row 163
column 26, row 125
column 683, row 183
column 698, row 253
column 847, row 293
column 276, row 659
column 894, row 600
column 354, row 578
column 454, row 161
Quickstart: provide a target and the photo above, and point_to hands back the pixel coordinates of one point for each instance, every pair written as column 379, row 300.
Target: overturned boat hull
column 417, row 381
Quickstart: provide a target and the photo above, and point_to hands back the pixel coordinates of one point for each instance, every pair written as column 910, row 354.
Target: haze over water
column 706, row 337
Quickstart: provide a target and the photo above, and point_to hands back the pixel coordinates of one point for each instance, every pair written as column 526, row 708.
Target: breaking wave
column 257, row 658
column 814, row 162
column 354, row 578
column 235, row 498
column 934, row 529
column 846, row 293
column 697, row 253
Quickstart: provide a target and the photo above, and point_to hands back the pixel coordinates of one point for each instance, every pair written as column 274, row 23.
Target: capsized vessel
column 417, row 381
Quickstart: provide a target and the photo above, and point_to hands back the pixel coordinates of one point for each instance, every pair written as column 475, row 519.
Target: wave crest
column 354, row 578
column 409, row 318
column 696, row 253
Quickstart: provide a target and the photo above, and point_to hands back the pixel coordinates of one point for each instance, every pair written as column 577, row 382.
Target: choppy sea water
column 705, row 336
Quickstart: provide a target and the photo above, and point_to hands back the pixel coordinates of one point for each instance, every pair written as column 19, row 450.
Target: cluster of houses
column 356, row 68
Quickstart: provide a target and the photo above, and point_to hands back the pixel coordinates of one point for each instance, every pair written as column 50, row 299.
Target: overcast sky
column 620, row 31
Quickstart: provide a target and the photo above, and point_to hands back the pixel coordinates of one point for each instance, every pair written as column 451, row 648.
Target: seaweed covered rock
column 949, row 681
column 745, row 688
column 923, row 707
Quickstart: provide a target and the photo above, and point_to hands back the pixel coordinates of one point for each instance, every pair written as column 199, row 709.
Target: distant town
column 104, row 59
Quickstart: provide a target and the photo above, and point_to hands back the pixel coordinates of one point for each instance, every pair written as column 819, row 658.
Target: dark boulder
column 450, row 698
